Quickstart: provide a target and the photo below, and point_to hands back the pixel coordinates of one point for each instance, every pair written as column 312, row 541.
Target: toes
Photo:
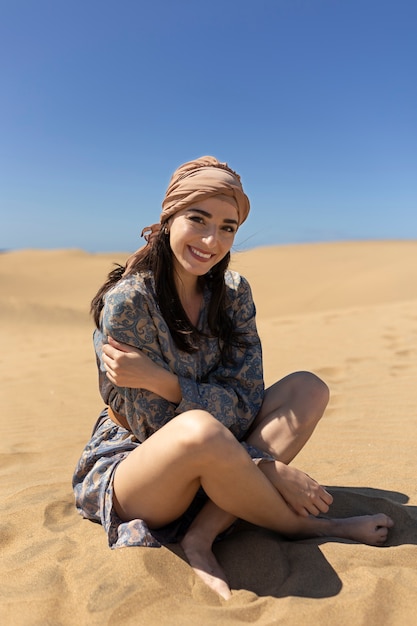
column 390, row 522
column 382, row 534
column 383, row 521
column 381, row 528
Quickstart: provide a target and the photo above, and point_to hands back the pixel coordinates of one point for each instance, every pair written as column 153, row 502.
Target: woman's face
column 202, row 234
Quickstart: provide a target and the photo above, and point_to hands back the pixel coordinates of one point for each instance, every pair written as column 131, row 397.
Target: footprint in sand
column 401, row 355
column 110, row 594
column 8, row 534
column 11, row 459
column 403, row 359
column 60, row 515
column 332, row 374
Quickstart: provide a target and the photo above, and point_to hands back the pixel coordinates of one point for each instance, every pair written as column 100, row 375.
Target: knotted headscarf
column 196, row 180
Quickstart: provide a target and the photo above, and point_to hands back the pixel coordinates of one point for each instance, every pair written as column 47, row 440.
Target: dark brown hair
column 157, row 257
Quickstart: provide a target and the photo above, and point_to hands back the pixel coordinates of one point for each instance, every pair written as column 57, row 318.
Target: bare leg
column 291, row 409
column 197, row 546
column 158, row 480
column 290, row 412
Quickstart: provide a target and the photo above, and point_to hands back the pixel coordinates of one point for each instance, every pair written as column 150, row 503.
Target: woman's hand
column 125, row 365
column 302, row 493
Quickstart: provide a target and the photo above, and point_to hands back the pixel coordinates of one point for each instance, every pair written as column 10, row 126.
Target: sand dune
column 346, row 311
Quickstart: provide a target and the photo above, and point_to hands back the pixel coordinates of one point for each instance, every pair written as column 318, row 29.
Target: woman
column 189, row 440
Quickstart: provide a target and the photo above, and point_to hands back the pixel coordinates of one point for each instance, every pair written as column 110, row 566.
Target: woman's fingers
column 302, row 493
column 311, row 506
column 123, row 347
column 126, row 366
column 327, row 497
column 321, row 500
column 113, row 350
column 313, row 498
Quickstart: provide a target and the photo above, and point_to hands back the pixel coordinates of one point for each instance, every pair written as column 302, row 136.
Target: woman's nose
column 210, row 237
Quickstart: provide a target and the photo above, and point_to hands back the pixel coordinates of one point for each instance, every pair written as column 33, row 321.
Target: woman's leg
column 158, row 480
column 197, row 546
column 289, row 414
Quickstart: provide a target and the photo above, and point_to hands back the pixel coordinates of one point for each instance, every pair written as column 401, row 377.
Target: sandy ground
column 346, row 311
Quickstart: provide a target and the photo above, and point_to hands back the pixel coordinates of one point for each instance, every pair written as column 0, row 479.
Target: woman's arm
column 130, row 316
column 127, row 366
column 232, row 392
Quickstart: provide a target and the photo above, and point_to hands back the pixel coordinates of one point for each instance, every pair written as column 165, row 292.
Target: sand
column 347, row 311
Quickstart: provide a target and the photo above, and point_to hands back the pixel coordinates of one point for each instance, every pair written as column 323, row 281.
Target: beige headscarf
column 201, row 179
column 196, row 180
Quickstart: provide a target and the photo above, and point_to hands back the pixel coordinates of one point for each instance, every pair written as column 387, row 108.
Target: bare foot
column 206, row 566
column 369, row 529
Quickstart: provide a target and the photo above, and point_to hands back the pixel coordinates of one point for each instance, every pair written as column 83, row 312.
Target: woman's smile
column 204, row 256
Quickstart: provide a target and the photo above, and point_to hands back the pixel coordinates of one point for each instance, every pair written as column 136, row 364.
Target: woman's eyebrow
column 209, row 215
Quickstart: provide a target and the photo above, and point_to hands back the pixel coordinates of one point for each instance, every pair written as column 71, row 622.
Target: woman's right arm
column 127, row 366
column 132, row 359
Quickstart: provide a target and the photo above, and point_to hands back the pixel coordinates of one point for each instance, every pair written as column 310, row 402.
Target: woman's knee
column 312, row 392
column 198, row 430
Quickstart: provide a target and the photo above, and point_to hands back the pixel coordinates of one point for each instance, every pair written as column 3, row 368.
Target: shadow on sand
column 271, row 565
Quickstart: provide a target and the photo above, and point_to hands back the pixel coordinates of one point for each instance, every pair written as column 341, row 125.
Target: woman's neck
column 191, row 297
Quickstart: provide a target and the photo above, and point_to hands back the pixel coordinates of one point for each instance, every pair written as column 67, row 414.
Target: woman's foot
column 369, row 529
column 206, row 566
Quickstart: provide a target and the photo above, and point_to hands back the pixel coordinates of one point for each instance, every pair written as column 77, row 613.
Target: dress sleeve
column 127, row 318
column 233, row 393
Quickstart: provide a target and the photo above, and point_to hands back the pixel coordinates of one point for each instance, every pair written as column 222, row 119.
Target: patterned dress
column 232, row 394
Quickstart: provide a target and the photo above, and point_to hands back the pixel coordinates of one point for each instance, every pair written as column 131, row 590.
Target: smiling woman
column 189, row 439
column 201, row 236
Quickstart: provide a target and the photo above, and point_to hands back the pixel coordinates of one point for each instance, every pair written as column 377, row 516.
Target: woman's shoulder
column 134, row 292
column 141, row 282
column 238, row 288
column 235, row 281
column 127, row 302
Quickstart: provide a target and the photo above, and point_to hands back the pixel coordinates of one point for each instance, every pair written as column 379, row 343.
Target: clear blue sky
column 313, row 102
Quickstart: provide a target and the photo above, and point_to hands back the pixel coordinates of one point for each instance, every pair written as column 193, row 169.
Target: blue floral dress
column 232, row 394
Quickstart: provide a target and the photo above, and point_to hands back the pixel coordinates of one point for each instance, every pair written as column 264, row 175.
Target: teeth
column 200, row 254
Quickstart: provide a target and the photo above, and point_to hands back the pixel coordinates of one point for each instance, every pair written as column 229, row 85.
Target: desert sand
column 348, row 312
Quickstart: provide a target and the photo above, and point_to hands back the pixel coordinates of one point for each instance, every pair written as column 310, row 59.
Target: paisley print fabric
column 232, row 393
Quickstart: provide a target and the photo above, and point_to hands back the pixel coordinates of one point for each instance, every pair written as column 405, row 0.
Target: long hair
column 157, row 257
